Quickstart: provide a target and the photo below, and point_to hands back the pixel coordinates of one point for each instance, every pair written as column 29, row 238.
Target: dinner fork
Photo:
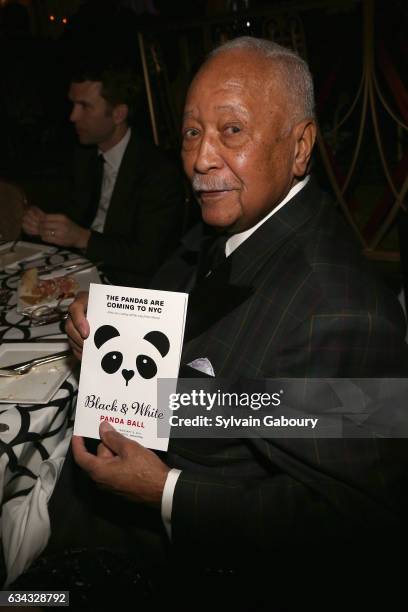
column 26, row 366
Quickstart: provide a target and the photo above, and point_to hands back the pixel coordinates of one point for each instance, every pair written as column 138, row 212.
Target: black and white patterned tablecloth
column 33, row 440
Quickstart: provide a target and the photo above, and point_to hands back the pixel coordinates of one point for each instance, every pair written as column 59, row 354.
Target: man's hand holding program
column 123, row 467
column 77, row 326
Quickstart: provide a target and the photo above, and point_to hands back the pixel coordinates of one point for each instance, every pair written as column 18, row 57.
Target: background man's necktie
column 96, row 191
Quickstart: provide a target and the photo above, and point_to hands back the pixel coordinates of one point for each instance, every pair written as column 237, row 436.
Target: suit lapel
column 236, row 279
column 259, row 249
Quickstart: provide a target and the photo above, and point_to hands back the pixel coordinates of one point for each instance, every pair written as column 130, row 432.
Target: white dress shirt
column 232, row 243
column 113, row 158
column 237, row 239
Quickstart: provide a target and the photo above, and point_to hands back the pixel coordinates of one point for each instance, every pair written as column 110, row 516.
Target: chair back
column 13, row 203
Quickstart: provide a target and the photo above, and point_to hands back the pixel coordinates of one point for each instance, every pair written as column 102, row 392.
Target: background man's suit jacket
column 145, row 216
column 294, row 300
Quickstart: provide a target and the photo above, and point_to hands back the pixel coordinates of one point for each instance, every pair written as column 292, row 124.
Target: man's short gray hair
column 294, row 72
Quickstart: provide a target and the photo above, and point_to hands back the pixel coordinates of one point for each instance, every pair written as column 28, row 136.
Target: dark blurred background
column 357, row 51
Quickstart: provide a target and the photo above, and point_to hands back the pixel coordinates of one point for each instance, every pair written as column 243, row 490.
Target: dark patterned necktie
column 212, row 254
column 96, row 191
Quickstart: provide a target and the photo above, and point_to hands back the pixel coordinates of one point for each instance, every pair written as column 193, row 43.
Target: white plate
column 39, row 385
column 24, row 251
column 82, row 278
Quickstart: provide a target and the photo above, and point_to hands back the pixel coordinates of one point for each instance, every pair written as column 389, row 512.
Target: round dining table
column 34, row 438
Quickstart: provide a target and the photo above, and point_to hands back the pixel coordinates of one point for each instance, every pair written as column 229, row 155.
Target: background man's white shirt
column 113, row 158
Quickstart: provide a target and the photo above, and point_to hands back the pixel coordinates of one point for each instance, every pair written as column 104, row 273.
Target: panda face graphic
column 145, row 365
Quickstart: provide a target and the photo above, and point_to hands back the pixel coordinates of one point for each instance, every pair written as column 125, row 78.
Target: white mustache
column 207, row 183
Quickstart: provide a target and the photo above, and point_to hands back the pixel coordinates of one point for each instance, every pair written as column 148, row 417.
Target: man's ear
column 305, row 134
column 120, row 113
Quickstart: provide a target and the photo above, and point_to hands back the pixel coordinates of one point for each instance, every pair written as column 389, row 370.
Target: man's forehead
column 234, row 108
column 221, row 75
column 235, row 95
column 85, row 89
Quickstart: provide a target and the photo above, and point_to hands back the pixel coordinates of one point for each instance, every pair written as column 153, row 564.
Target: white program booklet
column 136, row 337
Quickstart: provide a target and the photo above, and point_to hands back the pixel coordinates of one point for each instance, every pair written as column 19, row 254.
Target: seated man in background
column 126, row 205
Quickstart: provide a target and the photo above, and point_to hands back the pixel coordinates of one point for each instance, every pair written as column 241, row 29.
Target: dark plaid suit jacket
column 294, row 300
column 145, row 216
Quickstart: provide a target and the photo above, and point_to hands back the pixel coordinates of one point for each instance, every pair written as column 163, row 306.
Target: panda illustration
column 113, row 359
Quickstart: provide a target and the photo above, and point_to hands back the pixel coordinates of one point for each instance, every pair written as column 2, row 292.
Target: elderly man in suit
column 119, row 213
column 289, row 297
